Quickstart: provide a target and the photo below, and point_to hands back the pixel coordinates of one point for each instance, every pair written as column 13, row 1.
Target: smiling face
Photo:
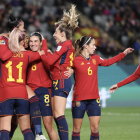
column 35, row 43
column 58, row 36
column 91, row 47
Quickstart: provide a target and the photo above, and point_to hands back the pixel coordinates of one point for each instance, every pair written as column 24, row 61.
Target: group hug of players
column 28, row 90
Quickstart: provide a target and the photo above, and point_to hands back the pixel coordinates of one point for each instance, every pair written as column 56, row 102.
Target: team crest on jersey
column 94, row 61
column 78, row 104
column 2, row 42
column 82, row 63
column 58, row 48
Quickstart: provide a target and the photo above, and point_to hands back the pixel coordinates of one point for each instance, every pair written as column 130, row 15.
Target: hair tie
column 86, row 41
column 37, row 34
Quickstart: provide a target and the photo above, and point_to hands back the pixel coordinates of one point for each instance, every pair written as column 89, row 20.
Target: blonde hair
column 69, row 22
column 15, row 38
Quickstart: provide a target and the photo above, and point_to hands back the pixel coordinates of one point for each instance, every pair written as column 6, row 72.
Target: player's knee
column 49, row 128
column 76, row 128
column 95, row 128
column 57, row 113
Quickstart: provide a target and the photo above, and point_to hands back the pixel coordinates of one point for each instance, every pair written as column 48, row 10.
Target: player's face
column 26, row 40
column 57, row 35
column 21, row 26
column 35, row 43
column 91, row 47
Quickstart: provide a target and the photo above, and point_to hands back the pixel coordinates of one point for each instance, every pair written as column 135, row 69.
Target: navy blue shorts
column 61, row 87
column 44, row 95
column 19, row 106
column 92, row 107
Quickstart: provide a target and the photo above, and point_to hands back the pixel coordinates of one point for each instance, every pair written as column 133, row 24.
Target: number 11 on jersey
column 19, row 66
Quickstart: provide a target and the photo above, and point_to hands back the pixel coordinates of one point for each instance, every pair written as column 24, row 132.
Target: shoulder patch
column 58, row 48
column 94, row 61
column 2, row 42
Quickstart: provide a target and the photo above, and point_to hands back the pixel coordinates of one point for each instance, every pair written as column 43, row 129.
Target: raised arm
column 44, row 46
column 108, row 62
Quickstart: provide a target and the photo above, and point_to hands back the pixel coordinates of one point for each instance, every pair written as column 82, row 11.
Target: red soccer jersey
column 13, row 75
column 131, row 78
column 60, row 60
column 86, row 80
column 5, row 53
column 38, row 74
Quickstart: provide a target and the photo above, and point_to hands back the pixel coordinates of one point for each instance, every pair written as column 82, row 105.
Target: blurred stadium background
column 115, row 24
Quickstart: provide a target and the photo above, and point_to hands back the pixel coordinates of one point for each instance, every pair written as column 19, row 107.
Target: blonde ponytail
column 69, row 22
column 15, row 37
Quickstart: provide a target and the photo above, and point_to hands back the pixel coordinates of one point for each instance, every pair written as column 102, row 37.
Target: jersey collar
column 65, row 41
column 85, row 57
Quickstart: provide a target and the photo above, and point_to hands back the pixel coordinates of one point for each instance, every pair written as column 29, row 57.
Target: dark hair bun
column 12, row 22
column 11, row 17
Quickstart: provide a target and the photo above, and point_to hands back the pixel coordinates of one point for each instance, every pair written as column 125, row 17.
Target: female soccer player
column 13, row 23
column 13, row 86
column 38, row 79
column 4, row 37
column 59, row 61
column 128, row 80
column 86, row 92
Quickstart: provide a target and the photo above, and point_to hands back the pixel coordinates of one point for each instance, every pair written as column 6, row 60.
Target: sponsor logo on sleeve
column 58, row 48
column 2, row 42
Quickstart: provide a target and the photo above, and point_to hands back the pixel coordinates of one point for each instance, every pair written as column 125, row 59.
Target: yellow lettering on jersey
column 89, row 71
column 94, row 61
column 55, row 84
column 19, row 66
column 82, row 63
column 46, row 99
column 98, row 101
column 18, row 55
column 34, row 67
column 71, row 59
column 9, row 66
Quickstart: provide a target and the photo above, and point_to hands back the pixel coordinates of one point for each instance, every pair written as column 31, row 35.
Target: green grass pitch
column 116, row 124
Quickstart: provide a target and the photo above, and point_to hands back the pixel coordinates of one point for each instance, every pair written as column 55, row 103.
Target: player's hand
column 69, row 72
column 49, row 51
column 41, row 52
column 113, row 88
column 128, row 50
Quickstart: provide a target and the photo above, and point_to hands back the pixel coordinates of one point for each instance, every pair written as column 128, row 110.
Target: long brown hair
column 80, row 43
